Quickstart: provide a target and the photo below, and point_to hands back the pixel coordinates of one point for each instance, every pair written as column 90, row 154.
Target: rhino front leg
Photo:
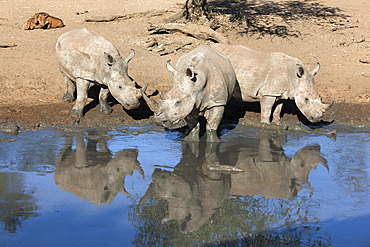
column 194, row 134
column 82, row 90
column 194, row 127
column 71, row 88
column 277, row 112
column 266, row 103
column 213, row 117
column 103, row 105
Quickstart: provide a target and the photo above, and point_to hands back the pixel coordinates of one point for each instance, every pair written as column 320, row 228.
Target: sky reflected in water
column 141, row 186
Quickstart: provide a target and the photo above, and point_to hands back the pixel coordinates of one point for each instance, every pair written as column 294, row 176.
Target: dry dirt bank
column 335, row 33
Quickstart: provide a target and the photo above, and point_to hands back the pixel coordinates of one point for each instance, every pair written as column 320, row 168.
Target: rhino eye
column 178, row 102
column 306, row 99
column 120, row 87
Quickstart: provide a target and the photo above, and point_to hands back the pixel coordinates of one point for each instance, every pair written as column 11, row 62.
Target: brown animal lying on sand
column 43, row 20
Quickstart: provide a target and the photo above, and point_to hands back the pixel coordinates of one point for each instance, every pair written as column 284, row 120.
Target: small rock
column 82, row 12
column 9, row 128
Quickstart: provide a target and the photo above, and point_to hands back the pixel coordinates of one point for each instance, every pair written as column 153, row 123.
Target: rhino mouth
column 314, row 119
column 131, row 106
column 171, row 124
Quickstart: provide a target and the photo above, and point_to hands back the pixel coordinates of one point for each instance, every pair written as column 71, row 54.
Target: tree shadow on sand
column 273, row 18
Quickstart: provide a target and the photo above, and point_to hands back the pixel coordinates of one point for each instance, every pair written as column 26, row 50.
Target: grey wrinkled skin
column 204, row 81
column 86, row 59
column 272, row 77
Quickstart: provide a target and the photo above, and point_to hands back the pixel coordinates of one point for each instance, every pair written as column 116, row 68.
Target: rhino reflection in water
column 194, row 192
column 91, row 174
column 270, row 173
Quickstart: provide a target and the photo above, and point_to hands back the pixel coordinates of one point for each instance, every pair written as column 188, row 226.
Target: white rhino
column 204, row 81
column 86, row 59
column 272, row 77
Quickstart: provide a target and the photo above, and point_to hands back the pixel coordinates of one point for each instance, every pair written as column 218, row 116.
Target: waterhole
column 147, row 187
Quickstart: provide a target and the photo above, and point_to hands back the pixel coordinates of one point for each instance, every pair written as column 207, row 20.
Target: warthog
column 86, row 59
column 273, row 77
column 43, row 20
column 204, row 81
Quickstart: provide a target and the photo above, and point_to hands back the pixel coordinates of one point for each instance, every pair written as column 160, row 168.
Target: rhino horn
column 152, row 103
column 326, row 107
column 314, row 71
column 162, row 95
column 132, row 54
column 170, row 68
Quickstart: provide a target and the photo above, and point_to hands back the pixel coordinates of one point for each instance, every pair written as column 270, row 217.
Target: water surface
column 139, row 186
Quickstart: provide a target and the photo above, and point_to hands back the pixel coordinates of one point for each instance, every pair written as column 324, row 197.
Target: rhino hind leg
column 267, row 103
column 103, row 105
column 82, row 90
column 71, row 89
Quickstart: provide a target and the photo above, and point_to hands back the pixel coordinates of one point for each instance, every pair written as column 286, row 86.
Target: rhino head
column 306, row 98
column 120, row 85
column 177, row 103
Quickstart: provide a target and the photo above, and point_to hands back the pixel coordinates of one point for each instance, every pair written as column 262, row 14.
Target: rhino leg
column 194, row 126
column 71, row 88
column 82, row 89
column 214, row 117
column 81, row 152
column 103, row 105
column 194, row 133
column 277, row 112
column 267, row 103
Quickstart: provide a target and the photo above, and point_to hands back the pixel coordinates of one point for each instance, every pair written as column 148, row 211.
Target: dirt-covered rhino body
column 204, row 81
column 273, row 77
column 86, row 59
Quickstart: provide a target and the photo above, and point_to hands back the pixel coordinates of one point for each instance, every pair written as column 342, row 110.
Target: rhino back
column 258, row 73
column 80, row 54
column 217, row 71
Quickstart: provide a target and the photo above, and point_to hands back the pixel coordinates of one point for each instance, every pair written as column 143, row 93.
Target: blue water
column 121, row 188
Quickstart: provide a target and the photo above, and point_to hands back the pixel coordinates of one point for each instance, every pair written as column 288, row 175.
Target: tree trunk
column 194, row 9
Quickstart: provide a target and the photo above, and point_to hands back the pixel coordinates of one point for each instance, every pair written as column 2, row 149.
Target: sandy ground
column 335, row 33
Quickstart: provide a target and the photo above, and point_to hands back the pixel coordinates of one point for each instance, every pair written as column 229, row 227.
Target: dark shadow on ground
column 273, row 18
column 143, row 112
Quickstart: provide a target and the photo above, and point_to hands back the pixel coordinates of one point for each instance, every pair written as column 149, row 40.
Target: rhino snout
column 164, row 123
column 314, row 119
column 131, row 106
column 161, row 120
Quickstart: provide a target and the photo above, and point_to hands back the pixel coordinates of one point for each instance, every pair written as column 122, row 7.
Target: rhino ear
column 109, row 59
column 190, row 73
column 314, row 71
column 300, row 71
